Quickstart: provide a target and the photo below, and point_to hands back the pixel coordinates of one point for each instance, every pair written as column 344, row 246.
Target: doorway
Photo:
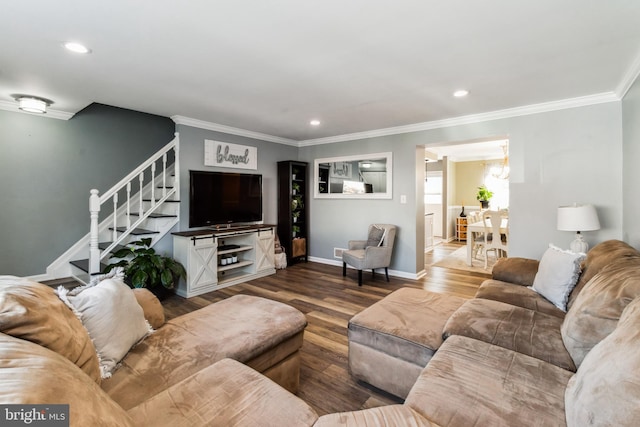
column 456, row 170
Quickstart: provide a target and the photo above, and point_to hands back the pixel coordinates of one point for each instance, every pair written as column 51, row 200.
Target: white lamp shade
column 33, row 105
column 578, row 218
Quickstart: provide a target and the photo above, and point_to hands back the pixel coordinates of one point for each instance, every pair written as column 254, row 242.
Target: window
column 498, row 185
column 433, row 188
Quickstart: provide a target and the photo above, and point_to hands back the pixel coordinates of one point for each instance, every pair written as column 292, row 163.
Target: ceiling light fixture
column 503, row 173
column 314, row 122
column 460, row 93
column 76, row 47
column 32, row 104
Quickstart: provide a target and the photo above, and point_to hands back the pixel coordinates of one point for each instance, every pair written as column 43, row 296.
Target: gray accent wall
column 631, row 161
column 556, row 158
column 192, row 158
column 48, row 166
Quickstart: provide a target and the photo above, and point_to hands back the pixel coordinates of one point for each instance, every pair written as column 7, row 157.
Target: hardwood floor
column 329, row 300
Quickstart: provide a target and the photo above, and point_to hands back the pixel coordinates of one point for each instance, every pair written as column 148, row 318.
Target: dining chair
column 494, row 240
column 478, row 237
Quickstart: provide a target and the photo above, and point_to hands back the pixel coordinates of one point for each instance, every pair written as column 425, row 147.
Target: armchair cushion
column 357, row 244
column 376, row 236
column 363, row 259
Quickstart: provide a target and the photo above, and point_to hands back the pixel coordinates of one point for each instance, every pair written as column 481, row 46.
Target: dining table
column 479, row 227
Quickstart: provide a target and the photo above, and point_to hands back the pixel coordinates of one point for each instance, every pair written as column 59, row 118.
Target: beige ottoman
column 263, row 334
column 392, row 341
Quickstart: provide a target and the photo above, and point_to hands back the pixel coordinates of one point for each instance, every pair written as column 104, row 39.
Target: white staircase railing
column 145, row 175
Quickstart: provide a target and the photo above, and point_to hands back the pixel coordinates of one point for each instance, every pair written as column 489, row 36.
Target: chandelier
column 503, row 171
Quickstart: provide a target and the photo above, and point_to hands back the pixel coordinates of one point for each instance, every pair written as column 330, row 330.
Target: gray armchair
column 375, row 252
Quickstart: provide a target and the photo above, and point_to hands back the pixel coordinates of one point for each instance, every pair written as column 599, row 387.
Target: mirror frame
column 358, row 157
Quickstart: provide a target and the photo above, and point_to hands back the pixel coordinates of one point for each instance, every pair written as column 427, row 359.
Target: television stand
column 216, row 259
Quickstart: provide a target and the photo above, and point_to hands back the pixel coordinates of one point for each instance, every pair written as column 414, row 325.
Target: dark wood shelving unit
column 293, row 209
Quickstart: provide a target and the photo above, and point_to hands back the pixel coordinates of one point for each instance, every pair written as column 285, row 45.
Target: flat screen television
column 217, row 198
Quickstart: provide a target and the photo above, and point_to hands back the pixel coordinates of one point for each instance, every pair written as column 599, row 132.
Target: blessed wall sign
column 226, row 155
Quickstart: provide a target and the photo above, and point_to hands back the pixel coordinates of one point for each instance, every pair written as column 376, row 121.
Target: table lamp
column 578, row 218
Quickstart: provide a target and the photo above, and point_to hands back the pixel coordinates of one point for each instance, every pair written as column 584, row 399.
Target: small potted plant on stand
column 483, row 196
column 144, row 268
column 295, row 187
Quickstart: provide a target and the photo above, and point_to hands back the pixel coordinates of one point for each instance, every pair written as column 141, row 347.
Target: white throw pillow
column 115, row 321
column 557, row 275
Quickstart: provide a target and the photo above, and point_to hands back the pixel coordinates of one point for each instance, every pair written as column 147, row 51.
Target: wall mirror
column 365, row 176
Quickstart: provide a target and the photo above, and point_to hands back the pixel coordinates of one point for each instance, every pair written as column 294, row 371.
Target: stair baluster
column 95, row 202
column 94, row 250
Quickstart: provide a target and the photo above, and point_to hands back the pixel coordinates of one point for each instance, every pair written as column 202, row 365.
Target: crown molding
column 201, row 124
column 526, row 110
column 629, row 78
column 50, row 114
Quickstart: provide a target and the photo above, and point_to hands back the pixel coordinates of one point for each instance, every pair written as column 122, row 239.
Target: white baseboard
column 394, row 273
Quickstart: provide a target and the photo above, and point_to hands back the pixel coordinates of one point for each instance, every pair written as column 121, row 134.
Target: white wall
column 631, row 171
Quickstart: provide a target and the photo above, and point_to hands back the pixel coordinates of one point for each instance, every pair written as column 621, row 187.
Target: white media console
column 215, row 259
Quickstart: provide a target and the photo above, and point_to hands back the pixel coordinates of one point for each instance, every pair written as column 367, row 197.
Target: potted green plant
column 483, row 196
column 295, row 187
column 296, row 215
column 144, row 268
column 295, row 230
column 297, row 203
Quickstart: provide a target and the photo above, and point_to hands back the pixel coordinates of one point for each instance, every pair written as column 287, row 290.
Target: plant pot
column 484, row 204
column 161, row 292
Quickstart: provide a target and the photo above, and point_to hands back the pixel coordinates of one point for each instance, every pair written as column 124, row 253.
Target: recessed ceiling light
column 76, row 47
column 314, row 122
column 460, row 93
column 32, row 104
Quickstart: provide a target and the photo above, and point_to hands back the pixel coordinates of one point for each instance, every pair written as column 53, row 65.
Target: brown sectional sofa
column 47, row 357
column 510, row 357
column 505, row 358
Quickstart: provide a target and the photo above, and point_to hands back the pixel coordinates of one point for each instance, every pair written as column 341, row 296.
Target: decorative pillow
column 33, row 375
column 376, row 236
column 558, row 273
column 597, row 308
column 32, row 311
column 606, row 388
column 151, row 306
column 115, row 321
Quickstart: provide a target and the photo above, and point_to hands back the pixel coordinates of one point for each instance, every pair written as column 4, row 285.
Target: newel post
column 94, row 250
